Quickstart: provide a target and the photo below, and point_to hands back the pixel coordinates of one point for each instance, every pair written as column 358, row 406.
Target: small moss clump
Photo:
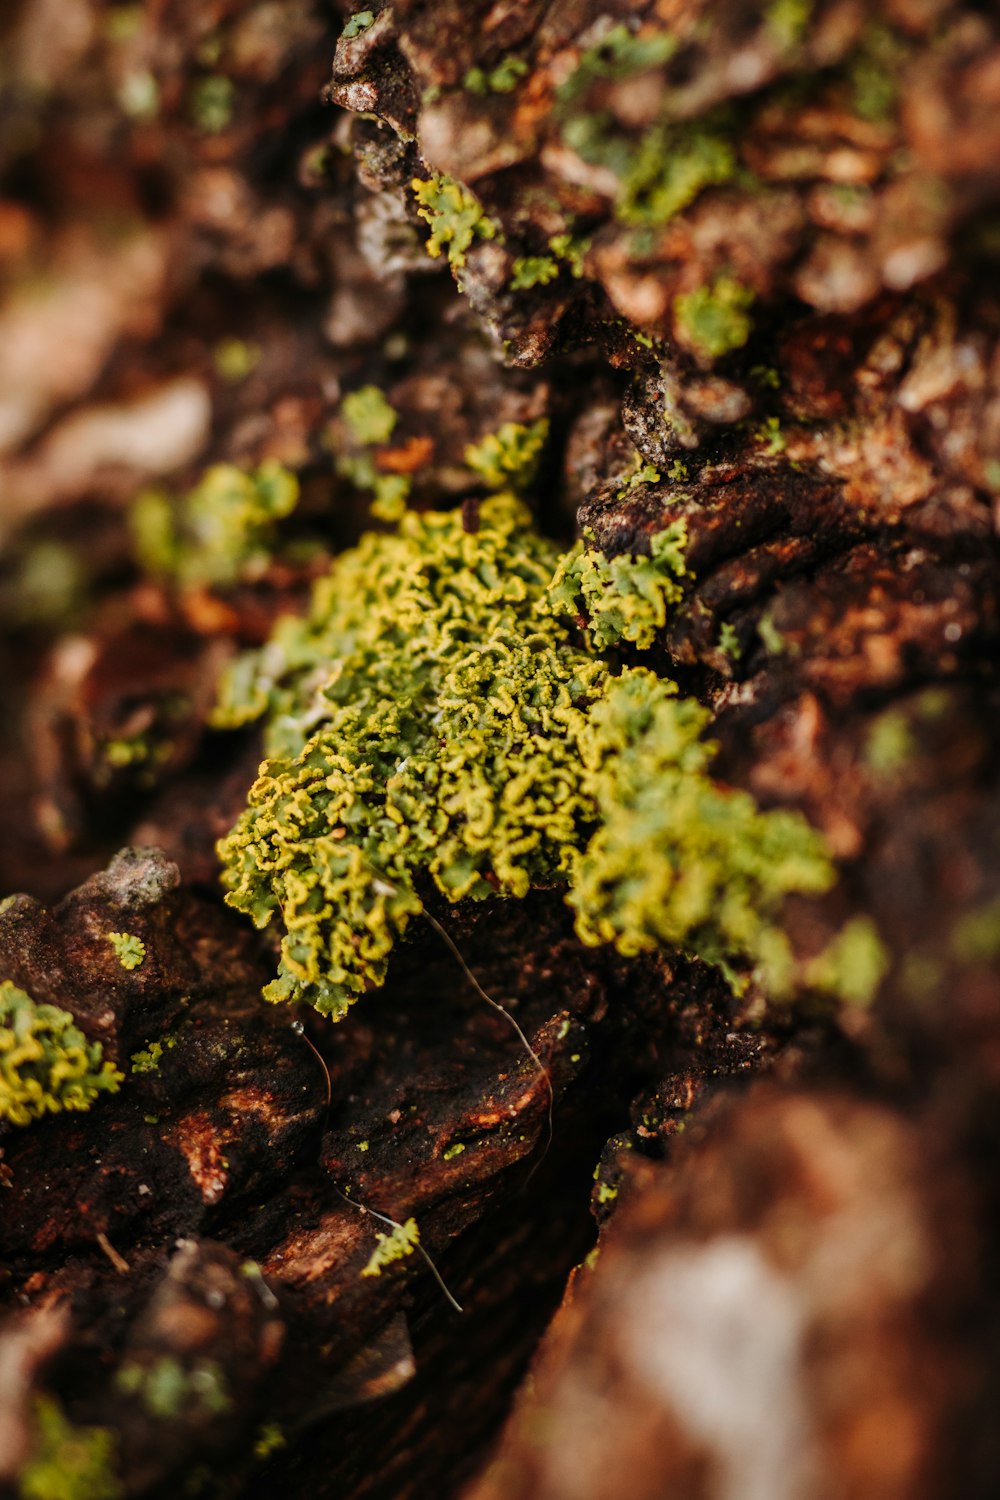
column 46, row 1063
column 440, row 719
column 455, row 215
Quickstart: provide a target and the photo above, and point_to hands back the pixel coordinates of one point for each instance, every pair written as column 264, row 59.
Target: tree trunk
column 742, row 259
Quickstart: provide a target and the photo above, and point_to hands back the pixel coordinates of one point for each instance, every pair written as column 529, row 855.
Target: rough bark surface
column 779, row 1282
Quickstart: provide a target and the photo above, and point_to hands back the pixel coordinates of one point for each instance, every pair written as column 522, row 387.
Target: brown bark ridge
column 743, row 259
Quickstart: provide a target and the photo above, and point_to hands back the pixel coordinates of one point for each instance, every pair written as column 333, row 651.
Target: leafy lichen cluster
column 402, row 1241
column 129, row 949
column 440, row 719
column 46, row 1062
column 455, row 215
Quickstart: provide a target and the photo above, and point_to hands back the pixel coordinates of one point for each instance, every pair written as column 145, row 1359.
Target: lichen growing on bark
column 46, row 1063
column 440, row 717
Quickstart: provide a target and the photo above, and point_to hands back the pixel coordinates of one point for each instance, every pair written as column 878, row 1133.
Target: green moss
column 509, row 457
column 46, row 1063
column 401, row 1242
column 712, row 320
column 221, row 531
column 359, row 22
column 439, row 718
column 532, row 270
column 853, row 965
column 455, row 216
column 68, row 1462
column 129, row 949
column 501, row 79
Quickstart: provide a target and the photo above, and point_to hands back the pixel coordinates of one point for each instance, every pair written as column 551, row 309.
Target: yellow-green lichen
column 440, row 718
column 532, row 270
column 712, row 320
column 370, row 421
column 68, row 1462
column 356, row 24
column 890, row 744
column 508, row 458
column 148, row 1060
column 455, row 215
column 503, row 78
column 401, row 1242
column 129, row 949
column 168, row 1388
column 853, row 965
column 221, row 531
column 269, row 1439
column 624, row 598
column 676, row 859
column 368, row 415
column 211, row 102
column 46, row 1063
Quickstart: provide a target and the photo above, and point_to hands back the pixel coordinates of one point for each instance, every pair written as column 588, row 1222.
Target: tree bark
column 777, row 1282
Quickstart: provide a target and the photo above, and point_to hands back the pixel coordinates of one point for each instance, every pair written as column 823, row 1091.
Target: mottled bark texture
column 744, row 259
